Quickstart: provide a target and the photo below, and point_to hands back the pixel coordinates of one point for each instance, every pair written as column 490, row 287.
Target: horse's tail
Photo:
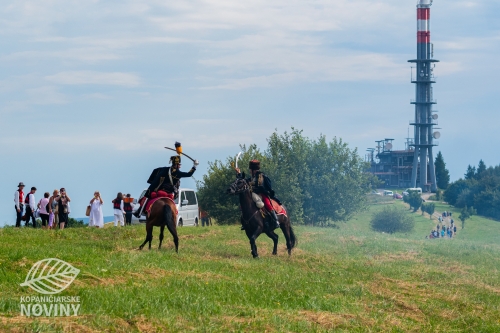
column 168, row 218
column 293, row 239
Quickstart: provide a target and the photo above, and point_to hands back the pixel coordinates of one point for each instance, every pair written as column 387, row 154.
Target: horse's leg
column 289, row 235
column 253, row 236
column 170, row 220
column 161, row 235
column 150, row 235
column 271, row 234
column 147, row 236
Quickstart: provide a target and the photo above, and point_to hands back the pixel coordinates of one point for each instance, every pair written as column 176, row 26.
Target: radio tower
column 423, row 160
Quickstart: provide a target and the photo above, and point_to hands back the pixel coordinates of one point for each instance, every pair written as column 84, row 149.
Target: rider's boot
column 275, row 218
column 137, row 213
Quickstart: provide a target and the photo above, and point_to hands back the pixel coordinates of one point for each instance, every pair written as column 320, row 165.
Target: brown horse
column 163, row 213
column 253, row 221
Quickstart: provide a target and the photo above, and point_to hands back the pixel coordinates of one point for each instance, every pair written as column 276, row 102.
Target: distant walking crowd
column 444, row 230
column 52, row 210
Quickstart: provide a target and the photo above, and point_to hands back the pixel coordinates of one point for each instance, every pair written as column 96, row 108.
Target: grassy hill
column 348, row 279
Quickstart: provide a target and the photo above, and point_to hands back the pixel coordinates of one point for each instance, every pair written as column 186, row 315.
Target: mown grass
column 345, row 279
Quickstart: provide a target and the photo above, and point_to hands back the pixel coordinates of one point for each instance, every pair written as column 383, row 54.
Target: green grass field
column 346, row 279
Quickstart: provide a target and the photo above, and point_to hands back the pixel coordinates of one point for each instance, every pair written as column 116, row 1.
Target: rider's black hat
column 254, row 165
column 176, row 159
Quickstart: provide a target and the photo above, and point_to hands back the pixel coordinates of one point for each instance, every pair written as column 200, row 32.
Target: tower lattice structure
column 423, row 172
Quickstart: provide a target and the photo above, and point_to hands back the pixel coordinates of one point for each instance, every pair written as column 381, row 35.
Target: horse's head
column 238, row 186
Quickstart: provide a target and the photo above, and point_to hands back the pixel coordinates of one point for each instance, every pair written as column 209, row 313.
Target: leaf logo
column 50, row 276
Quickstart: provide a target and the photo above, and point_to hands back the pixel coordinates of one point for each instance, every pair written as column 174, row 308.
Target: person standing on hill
column 53, row 212
column 127, row 207
column 62, row 208
column 96, row 218
column 118, row 209
column 43, row 206
column 19, row 201
column 29, row 201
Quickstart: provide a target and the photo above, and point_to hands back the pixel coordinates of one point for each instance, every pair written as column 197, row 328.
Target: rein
column 251, row 217
column 249, row 189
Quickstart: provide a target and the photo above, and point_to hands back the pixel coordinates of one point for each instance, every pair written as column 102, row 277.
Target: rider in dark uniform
column 261, row 184
column 166, row 179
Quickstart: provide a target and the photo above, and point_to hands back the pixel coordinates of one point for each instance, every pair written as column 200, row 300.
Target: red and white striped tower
column 423, row 142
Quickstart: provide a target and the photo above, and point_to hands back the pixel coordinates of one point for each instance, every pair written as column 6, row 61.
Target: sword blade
column 181, row 153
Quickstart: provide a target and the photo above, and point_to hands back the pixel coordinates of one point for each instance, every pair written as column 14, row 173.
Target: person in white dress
column 119, row 209
column 96, row 219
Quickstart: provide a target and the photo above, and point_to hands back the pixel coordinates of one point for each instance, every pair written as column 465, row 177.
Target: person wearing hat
column 166, row 180
column 261, row 184
column 19, row 201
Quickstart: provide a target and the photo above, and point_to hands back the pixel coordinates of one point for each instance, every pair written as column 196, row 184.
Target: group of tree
column 319, row 182
column 428, row 208
column 414, row 200
column 480, row 189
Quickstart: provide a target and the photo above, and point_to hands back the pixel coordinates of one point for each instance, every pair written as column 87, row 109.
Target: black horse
column 254, row 223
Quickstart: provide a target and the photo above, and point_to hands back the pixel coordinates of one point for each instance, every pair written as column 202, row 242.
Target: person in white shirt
column 118, row 209
column 96, row 218
column 43, row 205
column 30, row 207
column 19, row 204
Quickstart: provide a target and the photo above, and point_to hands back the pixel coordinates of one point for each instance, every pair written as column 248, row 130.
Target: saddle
column 280, row 210
column 155, row 196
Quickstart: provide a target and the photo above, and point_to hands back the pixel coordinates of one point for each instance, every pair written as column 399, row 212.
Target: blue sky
column 91, row 91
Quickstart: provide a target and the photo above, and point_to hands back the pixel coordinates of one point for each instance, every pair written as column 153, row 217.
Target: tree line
column 320, row 182
column 480, row 188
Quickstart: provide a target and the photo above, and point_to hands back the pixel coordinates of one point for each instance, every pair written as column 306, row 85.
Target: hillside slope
column 346, row 279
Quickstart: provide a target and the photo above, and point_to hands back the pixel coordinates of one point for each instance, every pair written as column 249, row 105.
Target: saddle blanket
column 160, row 195
column 280, row 210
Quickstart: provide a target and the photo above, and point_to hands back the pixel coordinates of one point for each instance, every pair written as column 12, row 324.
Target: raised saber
column 181, row 153
column 237, row 158
column 235, row 165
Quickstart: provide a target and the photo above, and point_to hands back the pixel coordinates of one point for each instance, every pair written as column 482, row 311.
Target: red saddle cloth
column 280, row 210
column 155, row 196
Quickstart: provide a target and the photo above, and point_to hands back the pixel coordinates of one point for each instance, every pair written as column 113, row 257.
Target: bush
column 391, row 220
column 73, row 223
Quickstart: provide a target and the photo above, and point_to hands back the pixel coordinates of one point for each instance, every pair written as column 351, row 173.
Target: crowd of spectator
column 52, row 210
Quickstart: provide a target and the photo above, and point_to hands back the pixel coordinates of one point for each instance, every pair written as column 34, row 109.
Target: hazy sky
column 91, row 91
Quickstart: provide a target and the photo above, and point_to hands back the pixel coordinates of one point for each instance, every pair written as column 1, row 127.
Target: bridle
column 235, row 188
column 240, row 186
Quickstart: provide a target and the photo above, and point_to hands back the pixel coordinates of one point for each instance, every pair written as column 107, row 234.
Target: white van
column 413, row 189
column 388, row 193
column 187, row 205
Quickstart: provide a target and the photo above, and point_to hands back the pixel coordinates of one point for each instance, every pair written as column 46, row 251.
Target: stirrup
column 138, row 213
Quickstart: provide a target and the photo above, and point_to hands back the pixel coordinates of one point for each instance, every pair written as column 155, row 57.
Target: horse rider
column 261, row 184
column 166, row 179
